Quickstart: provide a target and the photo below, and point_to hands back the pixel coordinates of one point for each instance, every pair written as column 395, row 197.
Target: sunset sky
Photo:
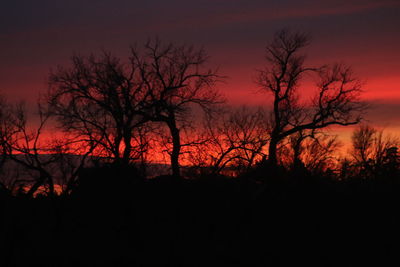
column 38, row 35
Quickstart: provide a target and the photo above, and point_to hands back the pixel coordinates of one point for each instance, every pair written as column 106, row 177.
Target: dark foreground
column 284, row 221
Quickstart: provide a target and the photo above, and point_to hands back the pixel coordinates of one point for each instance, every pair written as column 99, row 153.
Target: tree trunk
column 34, row 188
column 51, row 185
column 297, row 162
column 127, row 149
column 176, row 148
column 40, row 182
column 272, row 149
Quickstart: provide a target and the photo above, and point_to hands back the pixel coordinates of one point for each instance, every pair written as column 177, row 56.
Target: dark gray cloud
column 384, row 113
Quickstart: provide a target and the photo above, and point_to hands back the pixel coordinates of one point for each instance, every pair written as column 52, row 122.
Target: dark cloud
column 384, row 113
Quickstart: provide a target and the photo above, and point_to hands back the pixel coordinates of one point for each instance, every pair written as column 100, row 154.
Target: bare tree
column 235, row 138
column 372, row 148
column 335, row 102
column 105, row 101
column 22, row 145
column 313, row 150
column 363, row 144
column 36, row 161
column 6, row 182
column 177, row 81
column 97, row 99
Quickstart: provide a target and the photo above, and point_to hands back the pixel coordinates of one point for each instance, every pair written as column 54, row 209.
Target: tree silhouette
column 41, row 162
column 236, row 137
column 313, row 150
column 372, row 149
column 177, row 81
column 335, row 102
column 6, row 130
column 363, row 145
column 98, row 100
column 108, row 103
column 22, row 145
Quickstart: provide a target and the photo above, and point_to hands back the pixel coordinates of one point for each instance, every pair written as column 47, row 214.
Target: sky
column 36, row 36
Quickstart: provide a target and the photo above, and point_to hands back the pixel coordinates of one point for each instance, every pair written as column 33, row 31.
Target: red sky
column 38, row 35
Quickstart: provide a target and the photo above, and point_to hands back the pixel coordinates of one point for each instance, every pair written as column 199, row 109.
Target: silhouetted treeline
column 162, row 105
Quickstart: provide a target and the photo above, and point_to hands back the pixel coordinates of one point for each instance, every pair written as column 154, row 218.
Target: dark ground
column 283, row 221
